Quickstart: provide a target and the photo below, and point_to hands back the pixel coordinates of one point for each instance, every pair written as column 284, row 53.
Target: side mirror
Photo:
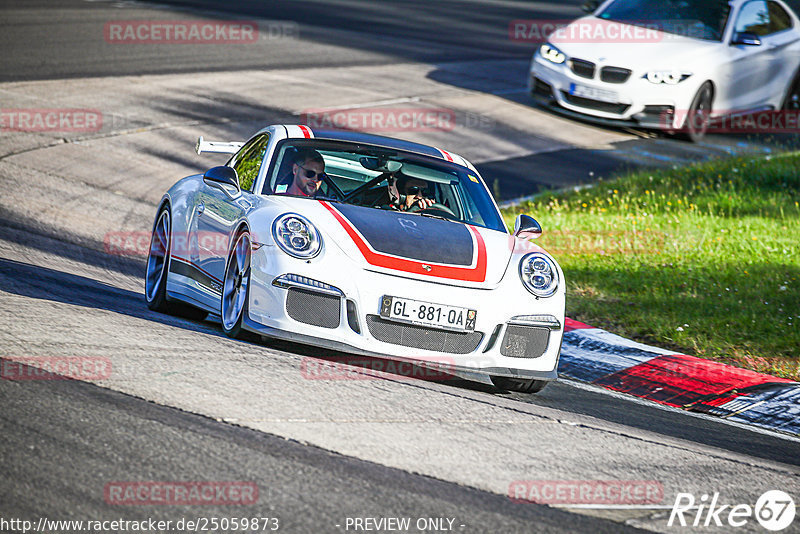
column 745, row 38
column 590, row 6
column 224, row 178
column 526, row 227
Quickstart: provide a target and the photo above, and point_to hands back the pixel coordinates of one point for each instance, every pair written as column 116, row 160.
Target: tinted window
column 779, row 19
column 247, row 161
column 371, row 176
column 753, row 18
column 701, row 19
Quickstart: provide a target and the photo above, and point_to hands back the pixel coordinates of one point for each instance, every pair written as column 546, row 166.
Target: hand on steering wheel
column 434, row 209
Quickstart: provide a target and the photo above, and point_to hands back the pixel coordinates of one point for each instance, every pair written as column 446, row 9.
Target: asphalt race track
column 184, row 403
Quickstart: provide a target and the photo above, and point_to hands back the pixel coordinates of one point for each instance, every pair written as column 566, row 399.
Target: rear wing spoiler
column 217, row 147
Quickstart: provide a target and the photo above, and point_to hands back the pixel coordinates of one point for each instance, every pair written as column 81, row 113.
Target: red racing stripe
column 447, row 156
column 466, row 274
column 306, row 131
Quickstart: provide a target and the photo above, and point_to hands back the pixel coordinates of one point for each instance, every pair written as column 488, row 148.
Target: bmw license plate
column 593, row 93
column 428, row 314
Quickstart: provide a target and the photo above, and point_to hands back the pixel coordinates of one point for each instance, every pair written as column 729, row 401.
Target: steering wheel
column 440, row 210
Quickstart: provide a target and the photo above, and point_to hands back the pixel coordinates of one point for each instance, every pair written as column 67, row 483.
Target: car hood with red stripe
column 411, row 245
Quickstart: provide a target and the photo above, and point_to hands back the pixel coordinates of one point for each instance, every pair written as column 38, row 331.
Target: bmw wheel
column 519, row 385
column 235, row 286
column 698, row 119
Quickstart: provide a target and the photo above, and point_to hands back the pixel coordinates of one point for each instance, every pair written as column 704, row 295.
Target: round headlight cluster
column 539, row 274
column 297, row 236
column 552, row 54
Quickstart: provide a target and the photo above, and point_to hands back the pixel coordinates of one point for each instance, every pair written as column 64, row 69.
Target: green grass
column 703, row 259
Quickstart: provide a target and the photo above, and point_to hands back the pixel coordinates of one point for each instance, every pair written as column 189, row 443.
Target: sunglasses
column 415, row 190
column 318, row 176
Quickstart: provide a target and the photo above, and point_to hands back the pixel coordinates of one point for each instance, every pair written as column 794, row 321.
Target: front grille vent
column 584, row 69
column 614, row 74
column 524, row 341
column 313, row 308
column 421, row 337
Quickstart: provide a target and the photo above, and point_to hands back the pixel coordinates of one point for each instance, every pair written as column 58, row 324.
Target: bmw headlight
column 552, row 54
column 539, row 274
column 669, row 77
column 297, row 236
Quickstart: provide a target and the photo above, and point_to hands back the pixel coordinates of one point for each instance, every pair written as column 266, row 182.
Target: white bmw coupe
column 673, row 65
column 364, row 244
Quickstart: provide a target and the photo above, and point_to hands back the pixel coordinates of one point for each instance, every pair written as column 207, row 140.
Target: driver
column 411, row 191
column 308, row 172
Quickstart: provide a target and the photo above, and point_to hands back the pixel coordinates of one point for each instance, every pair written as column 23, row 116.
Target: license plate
column 428, row 314
column 593, row 93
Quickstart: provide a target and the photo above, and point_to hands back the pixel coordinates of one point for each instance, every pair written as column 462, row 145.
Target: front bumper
column 515, row 335
column 635, row 102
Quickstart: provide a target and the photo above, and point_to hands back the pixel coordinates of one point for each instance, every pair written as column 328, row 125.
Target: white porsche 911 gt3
column 351, row 264
column 673, row 65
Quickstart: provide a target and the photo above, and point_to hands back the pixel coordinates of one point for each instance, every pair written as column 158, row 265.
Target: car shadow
column 44, row 283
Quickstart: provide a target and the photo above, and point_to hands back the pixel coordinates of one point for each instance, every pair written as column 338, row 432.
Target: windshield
column 381, row 178
column 700, row 19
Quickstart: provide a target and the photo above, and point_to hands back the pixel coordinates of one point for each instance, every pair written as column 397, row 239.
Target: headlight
column 552, row 54
column 539, row 274
column 670, row 77
column 297, row 236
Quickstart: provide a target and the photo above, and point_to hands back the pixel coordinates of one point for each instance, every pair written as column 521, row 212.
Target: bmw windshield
column 700, row 19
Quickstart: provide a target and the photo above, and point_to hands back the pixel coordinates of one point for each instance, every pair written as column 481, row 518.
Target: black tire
column 791, row 102
column 518, row 385
column 698, row 119
column 236, row 287
column 158, row 258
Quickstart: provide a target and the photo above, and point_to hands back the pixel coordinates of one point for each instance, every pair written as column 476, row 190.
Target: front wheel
column 235, row 286
column 698, row 119
column 792, row 100
column 518, row 385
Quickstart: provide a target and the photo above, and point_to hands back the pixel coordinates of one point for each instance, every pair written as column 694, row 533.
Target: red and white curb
column 601, row 358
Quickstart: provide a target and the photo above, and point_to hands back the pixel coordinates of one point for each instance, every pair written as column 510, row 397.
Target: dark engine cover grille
column 524, row 341
column 313, row 308
column 420, row 337
column 595, row 104
column 614, row 75
column 584, row 69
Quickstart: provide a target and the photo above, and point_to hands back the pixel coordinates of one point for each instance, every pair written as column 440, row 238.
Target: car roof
column 295, row 131
column 372, row 139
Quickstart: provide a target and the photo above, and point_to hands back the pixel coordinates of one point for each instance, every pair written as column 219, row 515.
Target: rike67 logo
column 774, row 510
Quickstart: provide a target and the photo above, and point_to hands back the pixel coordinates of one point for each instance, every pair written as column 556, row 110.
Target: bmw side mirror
column 224, row 178
column 746, row 38
column 526, row 227
column 590, row 6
